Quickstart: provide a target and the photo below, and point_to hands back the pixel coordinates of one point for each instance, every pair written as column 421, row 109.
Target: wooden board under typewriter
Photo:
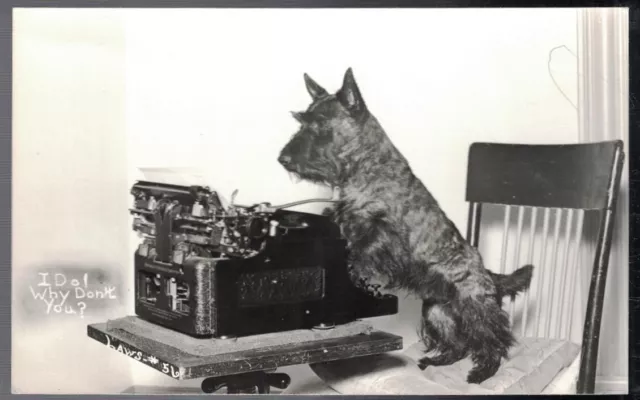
column 183, row 357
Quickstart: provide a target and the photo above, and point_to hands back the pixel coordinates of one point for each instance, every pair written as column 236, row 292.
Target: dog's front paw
column 424, row 362
column 327, row 212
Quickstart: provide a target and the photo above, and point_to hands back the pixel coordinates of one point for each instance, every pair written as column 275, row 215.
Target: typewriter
column 207, row 270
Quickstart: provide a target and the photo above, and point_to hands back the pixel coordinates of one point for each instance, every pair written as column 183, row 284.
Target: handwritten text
column 64, row 295
column 138, row 355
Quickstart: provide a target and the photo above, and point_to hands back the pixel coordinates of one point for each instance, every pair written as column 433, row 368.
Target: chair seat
column 532, row 366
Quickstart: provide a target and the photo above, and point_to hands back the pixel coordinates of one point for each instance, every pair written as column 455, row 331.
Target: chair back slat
column 555, row 176
column 541, row 270
column 532, row 240
column 563, row 274
column 505, row 239
column 555, row 273
column 573, row 277
column 516, row 258
column 552, row 275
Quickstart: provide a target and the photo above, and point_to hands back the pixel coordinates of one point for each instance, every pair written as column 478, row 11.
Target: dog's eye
column 322, row 132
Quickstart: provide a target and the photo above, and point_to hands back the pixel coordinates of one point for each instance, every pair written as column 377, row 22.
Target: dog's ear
column 349, row 95
column 316, row 91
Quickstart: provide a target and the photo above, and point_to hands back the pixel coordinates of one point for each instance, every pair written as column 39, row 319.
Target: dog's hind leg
column 490, row 337
column 485, row 366
column 440, row 327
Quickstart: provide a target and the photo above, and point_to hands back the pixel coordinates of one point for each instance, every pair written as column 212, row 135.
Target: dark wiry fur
column 396, row 229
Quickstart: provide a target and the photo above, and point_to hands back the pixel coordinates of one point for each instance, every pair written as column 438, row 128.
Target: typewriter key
column 197, row 210
column 178, row 257
column 143, row 250
column 274, row 226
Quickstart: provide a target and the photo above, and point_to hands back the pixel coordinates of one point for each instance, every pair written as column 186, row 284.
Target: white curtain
column 603, row 95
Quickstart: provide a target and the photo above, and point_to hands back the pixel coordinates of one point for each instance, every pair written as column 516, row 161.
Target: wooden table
column 242, row 365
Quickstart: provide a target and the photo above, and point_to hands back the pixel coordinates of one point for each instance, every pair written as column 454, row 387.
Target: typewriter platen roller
column 207, row 270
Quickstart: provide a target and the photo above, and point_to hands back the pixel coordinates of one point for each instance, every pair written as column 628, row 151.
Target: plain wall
column 100, row 94
column 69, row 194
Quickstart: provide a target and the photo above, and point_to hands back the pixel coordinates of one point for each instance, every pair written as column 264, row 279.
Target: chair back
column 549, row 191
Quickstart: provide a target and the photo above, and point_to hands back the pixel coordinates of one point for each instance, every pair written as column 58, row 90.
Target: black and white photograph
column 380, row 201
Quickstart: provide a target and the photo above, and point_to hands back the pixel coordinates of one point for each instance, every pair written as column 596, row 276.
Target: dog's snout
column 284, row 160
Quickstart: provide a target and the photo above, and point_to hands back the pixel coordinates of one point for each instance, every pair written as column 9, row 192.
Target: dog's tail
column 514, row 283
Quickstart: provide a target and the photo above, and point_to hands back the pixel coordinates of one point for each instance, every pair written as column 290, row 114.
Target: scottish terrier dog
column 396, row 230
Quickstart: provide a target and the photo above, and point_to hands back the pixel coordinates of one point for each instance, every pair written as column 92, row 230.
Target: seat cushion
column 532, row 365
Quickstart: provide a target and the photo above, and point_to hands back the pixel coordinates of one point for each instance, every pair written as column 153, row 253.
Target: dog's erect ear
column 316, row 91
column 349, row 95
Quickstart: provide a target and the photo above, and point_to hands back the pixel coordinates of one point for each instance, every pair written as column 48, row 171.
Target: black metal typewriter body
column 208, row 270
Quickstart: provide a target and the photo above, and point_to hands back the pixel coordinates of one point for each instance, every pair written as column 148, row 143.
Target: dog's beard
column 312, row 175
column 295, row 178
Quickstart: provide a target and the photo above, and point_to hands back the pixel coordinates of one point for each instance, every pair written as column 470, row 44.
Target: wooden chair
column 573, row 183
column 550, row 185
